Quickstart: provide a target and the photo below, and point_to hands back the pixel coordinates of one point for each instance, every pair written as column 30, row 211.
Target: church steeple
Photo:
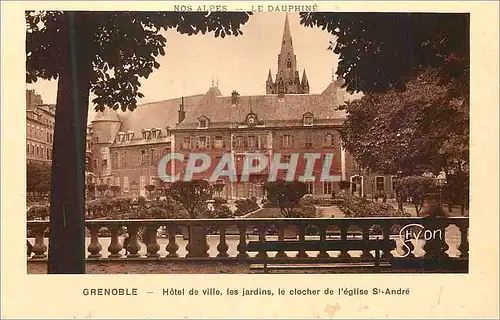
column 287, row 79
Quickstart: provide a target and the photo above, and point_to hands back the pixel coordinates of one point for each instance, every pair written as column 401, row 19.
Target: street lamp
column 441, row 182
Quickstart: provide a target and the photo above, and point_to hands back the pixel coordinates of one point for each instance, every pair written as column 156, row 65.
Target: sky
column 239, row 63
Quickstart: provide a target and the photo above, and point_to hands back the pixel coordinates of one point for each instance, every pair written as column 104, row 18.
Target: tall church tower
column 287, row 78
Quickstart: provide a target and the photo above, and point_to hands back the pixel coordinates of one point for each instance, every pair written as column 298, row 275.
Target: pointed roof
column 269, row 76
column 286, row 44
column 304, row 77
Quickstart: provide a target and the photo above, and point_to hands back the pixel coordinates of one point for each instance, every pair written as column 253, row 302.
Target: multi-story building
column 287, row 120
column 39, row 129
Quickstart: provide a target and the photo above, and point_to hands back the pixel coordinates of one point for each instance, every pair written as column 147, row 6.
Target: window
column 114, row 159
column 146, row 134
column 125, row 184
column 287, row 140
column 238, row 141
column 153, row 157
column 117, row 181
column 202, row 143
column 309, row 139
column 142, row 157
column 186, row 143
column 327, row 187
column 48, row 137
column 203, row 123
column 329, row 140
column 96, row 139
column 104, row 163
column 218, row 142
column 308, row 120
column 27, row 148
column 288, row 63
column 51, row 138
column 48, row 153
column 38, row 150
column 380, row 183
column 124, row 162
column 310, row 187
column 252, row 142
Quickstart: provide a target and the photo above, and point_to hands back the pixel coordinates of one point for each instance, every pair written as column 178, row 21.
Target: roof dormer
column 308, row 119
column 203, row 122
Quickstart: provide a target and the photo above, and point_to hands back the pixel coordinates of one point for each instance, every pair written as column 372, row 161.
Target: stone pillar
column 39, row 248
column 172, row 246
column 242, row 245
column 114, row 247
column 94, row 247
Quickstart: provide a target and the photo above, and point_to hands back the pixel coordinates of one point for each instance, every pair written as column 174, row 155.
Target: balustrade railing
column 219, row 239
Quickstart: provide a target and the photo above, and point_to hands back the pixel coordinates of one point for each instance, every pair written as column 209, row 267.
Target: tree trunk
column 67, row 210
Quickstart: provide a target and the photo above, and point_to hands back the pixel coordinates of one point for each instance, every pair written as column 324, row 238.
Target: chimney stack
column 182, row 113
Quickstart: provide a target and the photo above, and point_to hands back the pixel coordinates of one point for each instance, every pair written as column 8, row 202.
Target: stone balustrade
column 438, row 238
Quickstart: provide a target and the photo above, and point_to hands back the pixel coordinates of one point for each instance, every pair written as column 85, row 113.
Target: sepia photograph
column 247, row 142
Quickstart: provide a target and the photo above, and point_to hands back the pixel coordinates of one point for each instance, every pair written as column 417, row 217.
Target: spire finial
column 217, row 83
column 333, row 74
column 212, row 80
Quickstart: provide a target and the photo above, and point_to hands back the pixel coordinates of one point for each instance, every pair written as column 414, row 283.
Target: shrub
column 286, row 195
column 244, row 206
column 353, row 207
column 416, row 189
column 219, row 200
column 221, row 212
column 38, row 212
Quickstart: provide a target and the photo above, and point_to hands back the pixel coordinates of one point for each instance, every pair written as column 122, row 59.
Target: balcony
column 446, row 247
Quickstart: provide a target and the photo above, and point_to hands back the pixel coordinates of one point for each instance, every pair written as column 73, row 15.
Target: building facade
column 39, row 129
column 285, row 122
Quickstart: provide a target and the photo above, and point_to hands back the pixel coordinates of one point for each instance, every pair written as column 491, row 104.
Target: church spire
column 287, row 80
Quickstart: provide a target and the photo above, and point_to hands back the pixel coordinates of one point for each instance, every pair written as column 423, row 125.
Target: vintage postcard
column 252, row 159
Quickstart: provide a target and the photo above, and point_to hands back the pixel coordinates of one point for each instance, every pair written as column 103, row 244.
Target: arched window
column 289, row 63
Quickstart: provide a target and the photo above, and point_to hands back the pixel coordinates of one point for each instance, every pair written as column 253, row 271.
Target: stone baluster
column 436, row 247
column 464, row 239
column 133, row 245
column 114, row 247
column 302, row 238
column 344, row 254
column 172, row 246
column 94, row 246
column 366, row 238
column 408, row 246
column 281, row 238
column 386, row 233
column 39, row 248
column 262, row 239
column 242, row 245
column 222, row 247
column 322, row 238
column 152, row 245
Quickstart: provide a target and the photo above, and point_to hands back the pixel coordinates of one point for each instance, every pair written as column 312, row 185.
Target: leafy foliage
column 286, row 194
column 193, row 196
column 38, row 177
column 353, row 207
column 426, row 125
column 38, row 212
column 115, row 189
column 124, row 46
column 416, row 189
column 381, row 51
column 244, row 206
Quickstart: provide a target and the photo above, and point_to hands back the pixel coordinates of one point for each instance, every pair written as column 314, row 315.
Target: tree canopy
column 123, row 45
column 413, row 69
column 106, row 53
column 382, row 51
column 424, row 126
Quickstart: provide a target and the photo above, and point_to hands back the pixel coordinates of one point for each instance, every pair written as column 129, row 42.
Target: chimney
column 234, row 97
column 182, row 113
